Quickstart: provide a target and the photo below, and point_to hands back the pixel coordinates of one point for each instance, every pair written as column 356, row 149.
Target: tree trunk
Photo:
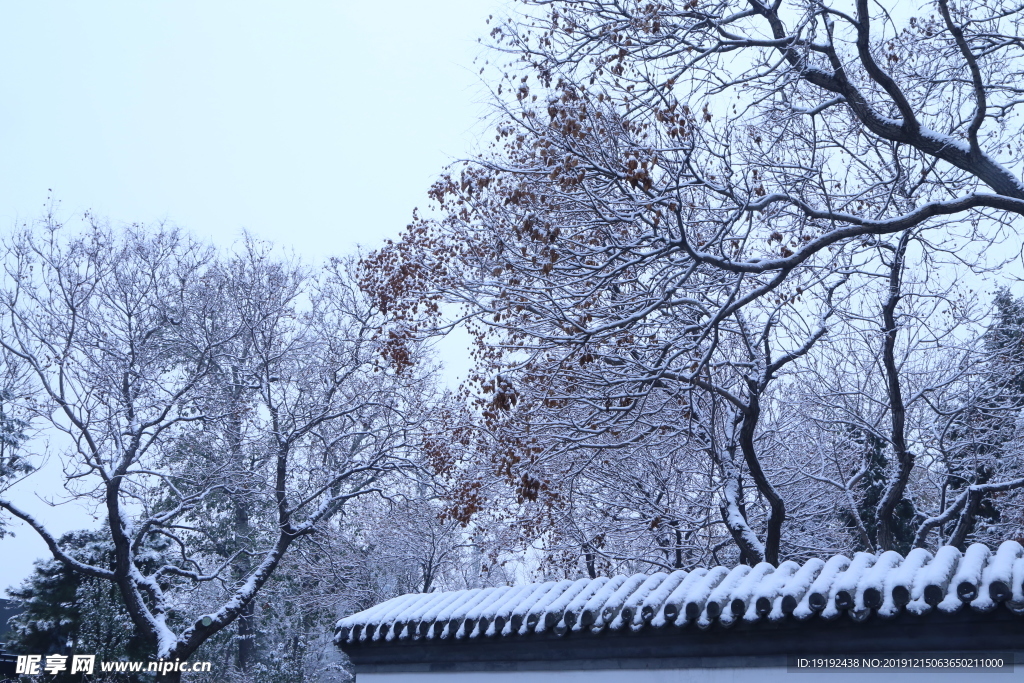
column 905, row 461
column 246, row 629
column 246, row 636
column 734, row 516
column 588, row 555
column 773, row 536
column 963, row 526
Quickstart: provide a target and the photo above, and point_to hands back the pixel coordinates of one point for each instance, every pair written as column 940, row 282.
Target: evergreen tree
column 870, row 488
column 12, row 431
column 64, row 612
column 983, row 437
column 12, row 434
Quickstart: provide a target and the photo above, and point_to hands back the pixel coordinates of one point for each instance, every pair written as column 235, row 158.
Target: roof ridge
column 883, row 584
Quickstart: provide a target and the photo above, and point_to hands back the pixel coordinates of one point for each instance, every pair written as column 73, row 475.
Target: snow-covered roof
column 858, row 587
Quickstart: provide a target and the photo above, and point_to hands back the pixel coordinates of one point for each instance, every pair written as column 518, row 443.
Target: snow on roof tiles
column 885, row 584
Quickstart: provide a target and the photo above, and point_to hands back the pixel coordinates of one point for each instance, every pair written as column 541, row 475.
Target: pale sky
column 316, row 124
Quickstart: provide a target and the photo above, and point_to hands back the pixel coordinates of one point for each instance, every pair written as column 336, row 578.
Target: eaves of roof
column 970, row 601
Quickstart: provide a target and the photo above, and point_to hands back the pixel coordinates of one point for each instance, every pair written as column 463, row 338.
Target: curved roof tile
column 868, row 584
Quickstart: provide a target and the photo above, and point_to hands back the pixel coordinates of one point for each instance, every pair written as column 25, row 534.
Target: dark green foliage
column 12, row 434
column 982, row 436
column 1005, row 340
column 12, row 431
column 292, row 622
column 871, row 488
column 67, row 613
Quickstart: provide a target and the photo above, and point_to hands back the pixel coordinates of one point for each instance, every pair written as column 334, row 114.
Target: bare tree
column 232, row 405
column 905, row 403
column 663, row 170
